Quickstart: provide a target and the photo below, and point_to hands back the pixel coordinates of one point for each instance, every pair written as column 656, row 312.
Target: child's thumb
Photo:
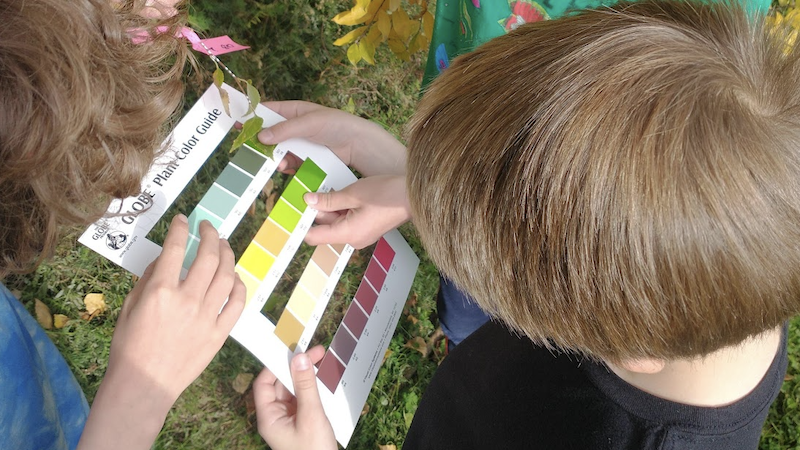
column 330, row 201
column 309, row 405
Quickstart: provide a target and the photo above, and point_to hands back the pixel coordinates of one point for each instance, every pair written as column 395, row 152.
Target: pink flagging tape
column 217, row 46
column 211, row 46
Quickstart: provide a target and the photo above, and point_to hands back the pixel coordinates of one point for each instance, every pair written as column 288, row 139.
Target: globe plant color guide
column 350, row 365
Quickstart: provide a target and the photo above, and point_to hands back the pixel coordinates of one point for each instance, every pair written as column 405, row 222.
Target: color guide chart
column 351, row 329
column 269, row 247
column 229, row 197
column 304, row 309
column 350, row 365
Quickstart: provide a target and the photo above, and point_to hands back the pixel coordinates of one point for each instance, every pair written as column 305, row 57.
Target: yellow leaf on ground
column 242, row 382
column 43, row 315
column 60, row 320
column 387, row 447
column 95, row 303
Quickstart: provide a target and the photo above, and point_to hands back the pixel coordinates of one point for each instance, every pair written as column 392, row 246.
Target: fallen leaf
column 43, row 315
column 251, row 211
column 412, row 319
column 269, row 187
column 271, row 202
column 365, row 409
column 60, row 320
column 242, row 382
column 418, row 344
column 412, row 300
column 387, row 447
column 95, row 304
column 250, row 403
column 86, row 316
column 386, row 355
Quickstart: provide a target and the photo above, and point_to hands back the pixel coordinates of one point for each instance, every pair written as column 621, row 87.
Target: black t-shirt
column 498, row 391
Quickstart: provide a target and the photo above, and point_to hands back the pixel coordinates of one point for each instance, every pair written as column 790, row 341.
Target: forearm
column 379, row 153
column 125, row 417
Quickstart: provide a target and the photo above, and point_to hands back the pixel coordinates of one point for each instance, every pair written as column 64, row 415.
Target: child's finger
column 292, row 108
column 327, row 218
column 233, row 308
column 289, row 163
column 135, row 293
column 331, row 201
column 205, row 265
column 223, row 281
column 309, row 405
column 315, row 354
column 264, row 387
column 337, row 232
column 169, row 264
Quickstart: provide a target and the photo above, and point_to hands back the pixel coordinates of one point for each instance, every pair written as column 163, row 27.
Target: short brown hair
column 622, row 182
column 82, row 114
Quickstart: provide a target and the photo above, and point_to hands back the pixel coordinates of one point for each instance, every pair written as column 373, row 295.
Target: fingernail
column 311, row 198
column 265, row 136
column 182, row 218
column 301, row 362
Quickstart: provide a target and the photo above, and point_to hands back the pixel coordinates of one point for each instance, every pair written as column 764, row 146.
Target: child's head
column 82, row 113
column 622, row 182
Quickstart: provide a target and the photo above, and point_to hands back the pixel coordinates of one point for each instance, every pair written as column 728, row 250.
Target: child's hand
column 287, row 422
column 167, row 333
column 360, row 213
column 361, row 144
column 169, row 330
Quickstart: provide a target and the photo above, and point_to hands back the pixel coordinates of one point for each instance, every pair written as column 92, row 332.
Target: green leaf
column 253, row 98
column 256, row 145
column 249, row 129
column 219, row 77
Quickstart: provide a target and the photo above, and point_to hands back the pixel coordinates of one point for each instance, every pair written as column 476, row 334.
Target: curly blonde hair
column 83, row 113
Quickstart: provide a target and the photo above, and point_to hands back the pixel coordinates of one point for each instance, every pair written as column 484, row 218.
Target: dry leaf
column 386, row 356
column 250, row 403
column 242, row 382
column 418, row 344
column 251, row 211
column 271, row 202
column 387, row 447
column 95, row 304
column 269, row 187
column 412, row 319
column 60, row 320
column 86, row 316
column 43, row 315
column 365, row 409
column 412, row 300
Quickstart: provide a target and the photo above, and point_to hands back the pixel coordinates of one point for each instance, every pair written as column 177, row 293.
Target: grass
column 292, row 58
